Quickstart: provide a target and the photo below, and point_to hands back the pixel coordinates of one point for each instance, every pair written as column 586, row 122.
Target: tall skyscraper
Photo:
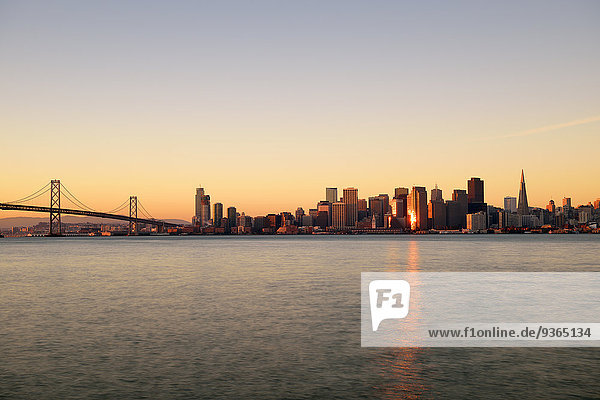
column 551, row 206
column 398, row 210
column 398, row 207
column 338, row 215
column 351, row 201
column 362, row 209
column 202, row 214
column 400, row 192
column 274, row 220
column 385, row 198
column 475, row 201
column 523, row 207
column 436, row 194
column 418, row 206
column 453, row 215
column 232, row 217
column 299, row 214
column 331, row 195
column 437, row 214
column 510, row 204
column 217, row 214
column 376, row 206
column 459, row 212
column 324, row 211
column 475, row 188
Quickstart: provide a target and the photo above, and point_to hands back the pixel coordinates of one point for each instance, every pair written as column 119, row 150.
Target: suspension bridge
column 58, row 191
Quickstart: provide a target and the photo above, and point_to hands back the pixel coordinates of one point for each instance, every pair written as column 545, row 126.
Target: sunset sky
column 265, row 103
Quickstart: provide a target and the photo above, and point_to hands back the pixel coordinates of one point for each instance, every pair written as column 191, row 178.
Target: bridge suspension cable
column 77, row 202
column 144, row 211
column 119, row 207
column 65, row 196
column 32, row 196
column 82, row 205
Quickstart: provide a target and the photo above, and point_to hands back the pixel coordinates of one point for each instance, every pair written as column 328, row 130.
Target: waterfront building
column 417, row 203
column 460, row 196
column 362, row 209
column 313, row 212
column 401, row 193
column 338, row 215
column 244, row 221
column 351, row 202
column 217, row 214
column 232, row 216
column 202, row 207
column 287, row 219
column 398, row 208
column 323, row 219
column 530, row 221
column 307, row 220
column 376, row 208
column 476, row 222
column 259, row 223
column 437, row 214
column 274, row 220
column 454, row 216
column 324, row 207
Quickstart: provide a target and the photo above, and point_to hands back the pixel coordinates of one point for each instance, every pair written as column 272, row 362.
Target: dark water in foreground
column 258, row 317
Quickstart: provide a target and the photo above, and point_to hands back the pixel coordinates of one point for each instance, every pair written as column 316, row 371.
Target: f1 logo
column 389, row 299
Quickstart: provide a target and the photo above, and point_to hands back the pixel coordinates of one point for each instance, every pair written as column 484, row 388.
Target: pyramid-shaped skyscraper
column 523, row 208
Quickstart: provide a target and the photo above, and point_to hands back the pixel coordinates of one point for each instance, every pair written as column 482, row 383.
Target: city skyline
column 202, row 207
column 409, row 210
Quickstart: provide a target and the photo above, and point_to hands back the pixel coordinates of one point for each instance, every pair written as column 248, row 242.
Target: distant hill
column 6, row 223
column 178, row 221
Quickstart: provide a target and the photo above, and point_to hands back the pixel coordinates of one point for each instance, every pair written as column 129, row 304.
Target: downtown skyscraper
column 339, row 215
column 202, row 209
column 331, row 195
column 475, row 196
column 351, row 202
column 417, row 204
column 523, row 207
column 217, row 214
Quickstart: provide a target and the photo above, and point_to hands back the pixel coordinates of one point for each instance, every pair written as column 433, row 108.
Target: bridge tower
column 133, row 225
column 55, row 225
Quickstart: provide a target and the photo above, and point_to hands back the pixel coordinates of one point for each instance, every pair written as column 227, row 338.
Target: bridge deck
column 20, row 207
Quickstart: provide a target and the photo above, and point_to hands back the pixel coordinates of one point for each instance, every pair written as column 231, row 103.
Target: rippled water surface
column 258, row 317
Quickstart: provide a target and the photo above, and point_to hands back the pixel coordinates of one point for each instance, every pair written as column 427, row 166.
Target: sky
column 266, row 103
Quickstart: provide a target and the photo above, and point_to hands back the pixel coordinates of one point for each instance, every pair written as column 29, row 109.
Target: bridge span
column 55, row 210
